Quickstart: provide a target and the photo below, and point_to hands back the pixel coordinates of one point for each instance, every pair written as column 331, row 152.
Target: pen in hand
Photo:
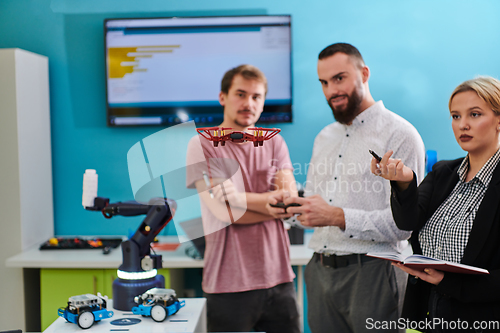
column 378, row 158
column 209, row 185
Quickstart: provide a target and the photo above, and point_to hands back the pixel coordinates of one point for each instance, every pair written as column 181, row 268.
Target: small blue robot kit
column 86, row 309
column 157, row 303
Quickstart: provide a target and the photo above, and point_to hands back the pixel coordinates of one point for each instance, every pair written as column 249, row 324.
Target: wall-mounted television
column 165, row 71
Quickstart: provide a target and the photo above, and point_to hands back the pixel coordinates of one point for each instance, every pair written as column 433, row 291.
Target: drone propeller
column 260, row 134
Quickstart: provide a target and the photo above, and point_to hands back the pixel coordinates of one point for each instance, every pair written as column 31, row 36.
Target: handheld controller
column 282, row 205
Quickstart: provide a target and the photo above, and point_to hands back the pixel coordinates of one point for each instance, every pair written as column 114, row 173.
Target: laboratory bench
column 52, row 276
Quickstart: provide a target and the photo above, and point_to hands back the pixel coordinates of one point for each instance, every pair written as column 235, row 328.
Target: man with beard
column 349, row 207
column 247, row 276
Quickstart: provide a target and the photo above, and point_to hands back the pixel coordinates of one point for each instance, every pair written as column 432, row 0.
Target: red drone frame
column 219, row 135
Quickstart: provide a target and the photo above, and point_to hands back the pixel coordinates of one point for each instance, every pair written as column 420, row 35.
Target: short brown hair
column 486, row 87
column 345, row 48
column 248, row 72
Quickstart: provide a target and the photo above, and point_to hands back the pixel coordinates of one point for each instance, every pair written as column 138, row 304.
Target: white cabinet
column 26, row 201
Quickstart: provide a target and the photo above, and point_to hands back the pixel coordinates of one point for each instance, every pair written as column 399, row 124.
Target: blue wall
column 418, row 51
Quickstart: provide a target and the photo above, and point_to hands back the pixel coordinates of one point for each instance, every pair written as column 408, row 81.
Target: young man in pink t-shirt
column 247, row 275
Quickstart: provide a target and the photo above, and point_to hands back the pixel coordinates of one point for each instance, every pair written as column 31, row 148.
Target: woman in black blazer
column 455, row 215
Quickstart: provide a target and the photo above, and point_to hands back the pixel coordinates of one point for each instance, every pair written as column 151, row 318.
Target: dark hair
column 248, row 72
column 345, row 48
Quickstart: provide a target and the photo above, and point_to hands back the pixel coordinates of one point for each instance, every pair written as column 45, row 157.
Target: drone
column 219, row 135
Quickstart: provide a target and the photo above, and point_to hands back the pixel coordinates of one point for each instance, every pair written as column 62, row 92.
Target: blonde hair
column 486, row 87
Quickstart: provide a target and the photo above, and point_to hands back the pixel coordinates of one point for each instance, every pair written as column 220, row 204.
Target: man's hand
column 428, row 275
column 273, row 199
column 316, row 212
column 226, row 191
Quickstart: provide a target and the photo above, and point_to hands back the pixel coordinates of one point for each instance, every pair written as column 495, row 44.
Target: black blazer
column 473, row 297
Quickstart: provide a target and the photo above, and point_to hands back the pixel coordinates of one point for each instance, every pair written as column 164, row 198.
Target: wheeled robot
column 157, row 303
column 85, row 310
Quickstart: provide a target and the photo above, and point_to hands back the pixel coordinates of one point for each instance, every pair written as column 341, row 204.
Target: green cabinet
column 57, row 285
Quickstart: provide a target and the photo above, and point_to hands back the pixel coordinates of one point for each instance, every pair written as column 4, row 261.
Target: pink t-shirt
column 243, row 257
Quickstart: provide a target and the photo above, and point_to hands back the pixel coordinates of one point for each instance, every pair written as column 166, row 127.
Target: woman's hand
column 428, row 275
column 392, row 169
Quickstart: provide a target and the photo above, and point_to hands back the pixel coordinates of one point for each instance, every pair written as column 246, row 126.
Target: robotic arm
column 136, row 251
column 138, row 271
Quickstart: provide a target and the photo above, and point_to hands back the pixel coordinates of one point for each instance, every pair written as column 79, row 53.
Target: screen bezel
column 268, row 109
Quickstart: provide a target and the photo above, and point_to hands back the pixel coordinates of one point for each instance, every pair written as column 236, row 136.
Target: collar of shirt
column 367, row 116
column 484, row 175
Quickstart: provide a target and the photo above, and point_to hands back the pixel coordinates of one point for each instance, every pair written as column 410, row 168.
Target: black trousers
column 272, row 310
column 445, row 320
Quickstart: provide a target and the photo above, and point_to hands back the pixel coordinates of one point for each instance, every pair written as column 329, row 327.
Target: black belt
column 335, row 261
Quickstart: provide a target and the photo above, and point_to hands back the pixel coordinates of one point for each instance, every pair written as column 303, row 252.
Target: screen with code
column 165, row 71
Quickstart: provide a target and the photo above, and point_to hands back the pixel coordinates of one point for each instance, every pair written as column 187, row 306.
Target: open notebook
column 420, row 262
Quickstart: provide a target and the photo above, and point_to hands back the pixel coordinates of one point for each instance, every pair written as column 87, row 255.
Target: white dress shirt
column 340, row 172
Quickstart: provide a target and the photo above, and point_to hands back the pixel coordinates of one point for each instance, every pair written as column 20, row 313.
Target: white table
column 34, row 258
column 191, row 318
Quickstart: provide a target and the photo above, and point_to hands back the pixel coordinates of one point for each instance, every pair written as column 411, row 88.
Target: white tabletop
column 94, row 258
column 190, row 318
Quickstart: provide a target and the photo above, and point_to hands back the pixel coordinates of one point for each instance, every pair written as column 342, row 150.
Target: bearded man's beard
column 346, row 114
